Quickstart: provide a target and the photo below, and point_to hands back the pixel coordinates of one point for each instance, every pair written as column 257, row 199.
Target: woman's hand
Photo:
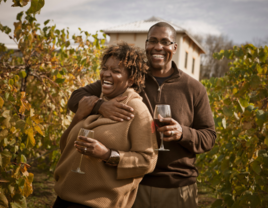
column 92, row 147
column 86, row 105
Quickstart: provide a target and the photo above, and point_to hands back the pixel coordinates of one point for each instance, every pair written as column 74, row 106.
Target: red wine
column 159, row 124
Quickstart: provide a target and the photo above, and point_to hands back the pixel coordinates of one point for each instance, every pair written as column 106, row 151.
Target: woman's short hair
column 132, row 58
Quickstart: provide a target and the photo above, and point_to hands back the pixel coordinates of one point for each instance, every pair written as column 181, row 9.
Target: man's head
column 160, row 46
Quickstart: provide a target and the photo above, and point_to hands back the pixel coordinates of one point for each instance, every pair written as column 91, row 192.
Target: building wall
column 193, row 53
column 184, row 44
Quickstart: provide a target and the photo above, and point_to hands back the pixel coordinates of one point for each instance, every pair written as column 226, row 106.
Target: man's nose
column 158, row 46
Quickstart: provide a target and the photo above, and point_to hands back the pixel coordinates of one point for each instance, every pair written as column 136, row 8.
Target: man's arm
column 201, row 136
column 112, row 109
column 89, row 90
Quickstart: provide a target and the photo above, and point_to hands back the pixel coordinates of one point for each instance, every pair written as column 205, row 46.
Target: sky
column 240, row 20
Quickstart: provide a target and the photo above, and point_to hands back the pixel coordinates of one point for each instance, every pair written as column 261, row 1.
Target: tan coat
column 103, row 185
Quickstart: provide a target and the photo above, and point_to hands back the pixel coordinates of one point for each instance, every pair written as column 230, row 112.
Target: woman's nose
column 107, row 73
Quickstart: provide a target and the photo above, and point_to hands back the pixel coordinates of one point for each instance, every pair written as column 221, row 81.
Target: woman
column 121, row 153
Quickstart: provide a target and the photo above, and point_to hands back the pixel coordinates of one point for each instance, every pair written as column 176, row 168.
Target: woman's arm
column 79, row 115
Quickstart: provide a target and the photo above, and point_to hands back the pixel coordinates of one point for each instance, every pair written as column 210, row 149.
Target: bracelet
column 113, row 159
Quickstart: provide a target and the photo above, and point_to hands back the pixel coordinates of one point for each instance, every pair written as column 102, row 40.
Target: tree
column 237, row 166
column 35, row 84
column 211, row 67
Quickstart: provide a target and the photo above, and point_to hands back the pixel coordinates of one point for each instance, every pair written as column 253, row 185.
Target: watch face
column 114, row 158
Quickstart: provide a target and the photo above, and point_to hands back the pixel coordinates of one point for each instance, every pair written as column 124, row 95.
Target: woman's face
column 114, row 78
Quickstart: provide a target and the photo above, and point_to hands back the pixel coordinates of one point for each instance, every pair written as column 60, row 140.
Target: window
column 193, row 66
column 186, row 59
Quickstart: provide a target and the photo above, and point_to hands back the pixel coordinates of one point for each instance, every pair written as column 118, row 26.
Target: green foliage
column 36, row 82
column 237, row 166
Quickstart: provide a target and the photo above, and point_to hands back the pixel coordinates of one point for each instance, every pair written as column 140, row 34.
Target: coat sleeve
column 142, row 157
column 89, row 90
column 202, row 135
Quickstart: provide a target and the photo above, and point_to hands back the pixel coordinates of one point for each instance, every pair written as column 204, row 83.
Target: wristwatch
column 113, row 159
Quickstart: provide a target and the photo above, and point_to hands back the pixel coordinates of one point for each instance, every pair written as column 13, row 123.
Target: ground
column 44, row 196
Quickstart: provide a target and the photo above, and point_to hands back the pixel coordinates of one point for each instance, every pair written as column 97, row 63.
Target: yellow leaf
column 1, row 102
column 38, row 129
column 22, row 109
column 36, row 119
column 31, row 112
column 30, row 134
column 27, row 190
column 22, row 95
column 27, row 105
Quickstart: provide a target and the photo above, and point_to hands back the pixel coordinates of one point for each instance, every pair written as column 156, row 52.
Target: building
column 188, row 53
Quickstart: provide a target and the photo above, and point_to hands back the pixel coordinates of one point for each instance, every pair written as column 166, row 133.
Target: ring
column 85, row 149
column 172, row 132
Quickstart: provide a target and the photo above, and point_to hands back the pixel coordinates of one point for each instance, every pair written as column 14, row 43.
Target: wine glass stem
column 80, row 161
column 162, row 143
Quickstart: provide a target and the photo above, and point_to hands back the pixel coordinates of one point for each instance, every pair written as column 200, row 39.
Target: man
column 190, row 131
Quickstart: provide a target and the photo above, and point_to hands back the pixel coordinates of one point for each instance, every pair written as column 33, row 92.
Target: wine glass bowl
column 165, row 112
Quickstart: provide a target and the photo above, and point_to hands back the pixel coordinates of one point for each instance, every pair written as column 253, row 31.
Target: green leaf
column 22, row 74
column 23, row 159
column 255, row 81
column 11, row 82
column 46, row 22
column 19, row 15
column 6, row 153
column 255, row 165
column 20, row 124
column 217, row 204
column 228, row 111
column 243, row 102
column 36, row 6
column 59, row 80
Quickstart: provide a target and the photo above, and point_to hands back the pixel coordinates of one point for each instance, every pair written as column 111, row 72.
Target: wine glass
column 165, row 112
column 85, row 133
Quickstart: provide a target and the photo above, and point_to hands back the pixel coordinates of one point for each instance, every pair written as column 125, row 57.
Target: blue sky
column 241, row 20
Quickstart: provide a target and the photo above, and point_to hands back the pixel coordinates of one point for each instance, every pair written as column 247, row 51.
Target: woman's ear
column 130, row 82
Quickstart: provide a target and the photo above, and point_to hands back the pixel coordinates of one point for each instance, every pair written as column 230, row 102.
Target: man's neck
column 166, row 72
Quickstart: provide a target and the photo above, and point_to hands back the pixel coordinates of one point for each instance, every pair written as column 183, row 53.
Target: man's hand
column 172, row 130
column 93, row 148
column 85, row 106
column 115, row 110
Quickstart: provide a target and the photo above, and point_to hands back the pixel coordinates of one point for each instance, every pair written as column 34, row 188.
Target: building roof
column 139, row 26
column 143, row 27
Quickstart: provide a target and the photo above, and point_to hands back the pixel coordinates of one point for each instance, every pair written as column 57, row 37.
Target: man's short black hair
column 164, row 24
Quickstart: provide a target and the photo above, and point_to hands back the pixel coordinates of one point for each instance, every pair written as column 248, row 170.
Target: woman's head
column 122, row 66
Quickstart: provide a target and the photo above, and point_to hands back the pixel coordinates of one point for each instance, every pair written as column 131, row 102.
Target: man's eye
column 153, row 41
column 164, row 42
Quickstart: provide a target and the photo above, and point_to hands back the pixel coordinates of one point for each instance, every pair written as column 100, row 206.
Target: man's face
column 159, row 56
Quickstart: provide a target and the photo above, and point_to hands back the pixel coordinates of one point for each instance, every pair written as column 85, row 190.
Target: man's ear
column 175, row 46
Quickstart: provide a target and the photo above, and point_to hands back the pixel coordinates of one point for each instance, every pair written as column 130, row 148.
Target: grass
column 44, row 196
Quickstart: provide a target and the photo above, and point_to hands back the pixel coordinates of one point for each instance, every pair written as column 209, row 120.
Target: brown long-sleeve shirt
column 102, row 185
column 190, row 108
